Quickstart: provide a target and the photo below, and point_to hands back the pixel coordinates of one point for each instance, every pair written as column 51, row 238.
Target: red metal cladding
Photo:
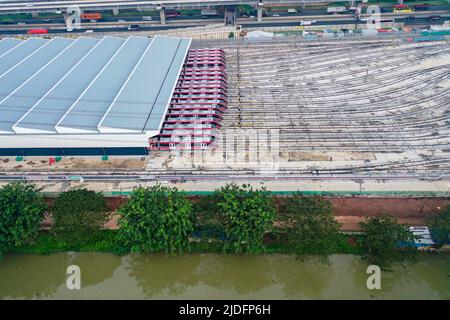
column 197, row 105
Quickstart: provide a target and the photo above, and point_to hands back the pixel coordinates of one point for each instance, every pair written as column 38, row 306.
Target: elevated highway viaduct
column 69, row 7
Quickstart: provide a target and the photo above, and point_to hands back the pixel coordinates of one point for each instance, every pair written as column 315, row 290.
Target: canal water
column 212, row 276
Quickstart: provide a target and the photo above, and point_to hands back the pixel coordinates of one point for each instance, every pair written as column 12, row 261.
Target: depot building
column 86, row 96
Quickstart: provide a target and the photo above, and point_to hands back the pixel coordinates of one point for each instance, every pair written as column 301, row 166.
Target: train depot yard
column 320, row 97
column 290, row 108
column 308, row 136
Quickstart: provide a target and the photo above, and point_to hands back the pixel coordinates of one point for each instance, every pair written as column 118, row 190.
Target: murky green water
column 210, row 276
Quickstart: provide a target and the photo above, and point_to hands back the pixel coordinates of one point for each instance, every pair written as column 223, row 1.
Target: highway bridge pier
column 259, row 11
column 230, row 15
column 162, row 14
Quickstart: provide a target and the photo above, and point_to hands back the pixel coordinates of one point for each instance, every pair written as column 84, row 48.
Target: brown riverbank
column 348, row 210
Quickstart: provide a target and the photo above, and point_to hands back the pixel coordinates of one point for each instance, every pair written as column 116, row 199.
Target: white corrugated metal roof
column 109, row 86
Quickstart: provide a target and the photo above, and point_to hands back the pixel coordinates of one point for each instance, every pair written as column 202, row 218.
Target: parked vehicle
column 37, row 31
column 423, row 236
column 400, row 6
column 422, row 6
column 336, row 10
column 134, row 27
column 307, row 22
column 147, row 18
column 433, row 18
column 292, row 11
column 91, row 16
column 403, row 10
column 209, row 13
column 373, row 21
column 172, row 14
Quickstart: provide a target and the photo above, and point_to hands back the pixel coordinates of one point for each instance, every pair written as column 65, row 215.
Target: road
column 114, row 26
column 53, row 6
column 145, row 176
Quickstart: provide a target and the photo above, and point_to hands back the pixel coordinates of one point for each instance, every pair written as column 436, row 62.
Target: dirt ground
column 72, row 163
column 349, row 211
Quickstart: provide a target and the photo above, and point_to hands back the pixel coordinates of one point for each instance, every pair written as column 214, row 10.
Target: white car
column 307, row 22
column 121, row 21
column 147, row 18
column 275, row 15
column 89, row 31
column 29, row 5
column 21, row 23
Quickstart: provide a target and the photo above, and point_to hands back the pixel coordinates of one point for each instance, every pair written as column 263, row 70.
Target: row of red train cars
column 197, row 105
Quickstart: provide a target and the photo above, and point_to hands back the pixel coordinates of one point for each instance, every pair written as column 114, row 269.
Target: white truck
column 209, row 13
column 336, row 10
column 292, row 10
column 307, row 22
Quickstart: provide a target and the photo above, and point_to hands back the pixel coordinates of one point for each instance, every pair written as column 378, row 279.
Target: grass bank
column 104, row 241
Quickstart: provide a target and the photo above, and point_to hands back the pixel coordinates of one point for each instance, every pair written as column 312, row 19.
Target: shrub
column 78, row 215
column 440, row 226
column 156, row 218
column 21, row 210
column 246, row 215
column 384, row 236
column 308, row 224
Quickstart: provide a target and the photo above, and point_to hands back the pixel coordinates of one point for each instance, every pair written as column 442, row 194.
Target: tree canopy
column 156, row 218
column 308, row 224
column 440, row 226
column 22, row 208
column 384, row 239
column 246, row 215
column 78, row 214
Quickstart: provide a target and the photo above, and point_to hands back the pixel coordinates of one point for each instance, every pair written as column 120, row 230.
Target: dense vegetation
column 307, row 225
column 21, row 210
column 232, row 219
column 440, row 226
column 246, row 216
column 384, row 235
column 155, row 219
column 78, row 215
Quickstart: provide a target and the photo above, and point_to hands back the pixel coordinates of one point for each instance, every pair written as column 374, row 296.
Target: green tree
column 78, row 215
column 440, row 226
column 246, row 215
column 22, row 208
column 156, row 218
column 382, row 243
column 308, row 224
